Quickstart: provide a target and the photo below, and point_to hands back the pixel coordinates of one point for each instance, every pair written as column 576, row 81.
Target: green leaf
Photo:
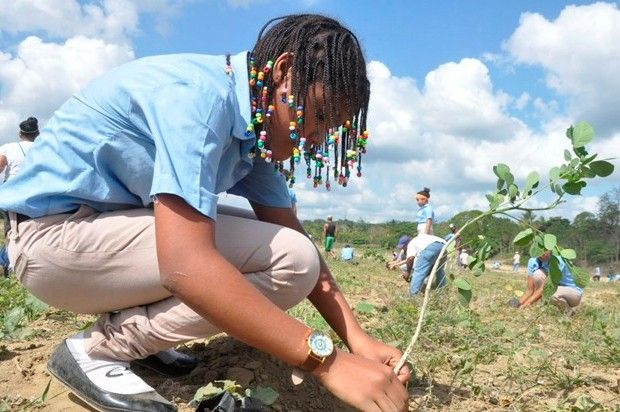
column 14, row 318
column 582, row 134
column 554, row 174
column 588, row 159
column 524, row 237
column 567, row 155
column 581, row 277
column 34, row 305
column 500, row 184
column 462, row 284
column 550, row 241
column 537, row 247
column 364, row 307
column 554, row 270
column 502, row 171
column 568, row 254
column 265, row 394
column 574, row 188
column 464, row 296
column 602, row 168
column 549, row 289
column 46, row 391
column 206, row 392
column 587, row 172
column 531, row 182
column 513, row 191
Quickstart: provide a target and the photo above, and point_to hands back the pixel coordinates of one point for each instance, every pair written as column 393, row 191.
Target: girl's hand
column 372, row 349
column 362, row 383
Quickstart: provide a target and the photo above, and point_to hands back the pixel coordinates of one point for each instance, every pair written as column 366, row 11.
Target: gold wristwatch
column 320, row 346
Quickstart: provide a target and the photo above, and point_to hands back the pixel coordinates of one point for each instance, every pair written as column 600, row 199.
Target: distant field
column 485, row 357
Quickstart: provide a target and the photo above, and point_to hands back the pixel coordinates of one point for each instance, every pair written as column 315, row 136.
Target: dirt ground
column 23, row 377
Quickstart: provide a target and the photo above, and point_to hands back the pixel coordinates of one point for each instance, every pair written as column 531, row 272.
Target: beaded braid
column 323, row 51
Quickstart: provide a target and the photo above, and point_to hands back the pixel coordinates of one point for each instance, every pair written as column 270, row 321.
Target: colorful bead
column 268, row 67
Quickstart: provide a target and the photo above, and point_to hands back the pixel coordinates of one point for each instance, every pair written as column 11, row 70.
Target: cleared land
column 484, row 357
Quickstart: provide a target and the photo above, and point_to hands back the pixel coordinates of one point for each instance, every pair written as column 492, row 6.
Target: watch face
column 320, row 344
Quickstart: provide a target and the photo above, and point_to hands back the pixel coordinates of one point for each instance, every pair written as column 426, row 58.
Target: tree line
column 595, row 236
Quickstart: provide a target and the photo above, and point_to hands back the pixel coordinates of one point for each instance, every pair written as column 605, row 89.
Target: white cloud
column 114, row 20
column 42, row 75
column 459, row 99
column 580, row 54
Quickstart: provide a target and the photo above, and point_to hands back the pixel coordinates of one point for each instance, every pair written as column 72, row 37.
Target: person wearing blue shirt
column 537, row 270
column 115, row 212
column 425, row 215
column 568, row 295
column 346, row 253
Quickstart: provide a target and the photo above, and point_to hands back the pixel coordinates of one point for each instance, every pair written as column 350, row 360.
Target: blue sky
column 457, row 86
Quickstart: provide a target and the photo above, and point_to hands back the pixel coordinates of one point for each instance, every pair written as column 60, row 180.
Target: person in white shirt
column 422, row 253
column 516, row 261
column 11, row 157
column 13, row 154
column 464, row 258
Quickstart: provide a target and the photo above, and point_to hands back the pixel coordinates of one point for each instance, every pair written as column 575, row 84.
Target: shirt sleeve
column 263, row 185
column 429, row 214
column 188, row 125
column 532, row 266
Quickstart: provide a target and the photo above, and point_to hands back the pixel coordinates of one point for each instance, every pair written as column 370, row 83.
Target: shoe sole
column 97, row 406
column 87, row 401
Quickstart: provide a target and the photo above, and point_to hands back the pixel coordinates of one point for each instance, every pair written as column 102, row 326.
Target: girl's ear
column 282, row 68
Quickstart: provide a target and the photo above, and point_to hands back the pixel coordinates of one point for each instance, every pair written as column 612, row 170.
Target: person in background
column 330, row 230
column 346, row 254
column 464, row 259
column 568, row 295
column 516, row 261
column 425, row 215
column 422, row 253
column 12, row 156
column 293, row 197
column 401, row 247
column 537, row 270
column 597, row 274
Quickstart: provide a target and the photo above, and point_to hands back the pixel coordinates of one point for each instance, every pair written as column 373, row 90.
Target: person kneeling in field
column 568, row 295
column 422, row 253
column 537, row 269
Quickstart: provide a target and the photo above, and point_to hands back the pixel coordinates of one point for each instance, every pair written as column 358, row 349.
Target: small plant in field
column 17, row 307
column 566, row 179
column 264, row 395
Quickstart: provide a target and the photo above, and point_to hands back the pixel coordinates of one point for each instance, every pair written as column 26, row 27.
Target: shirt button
column 244, row 172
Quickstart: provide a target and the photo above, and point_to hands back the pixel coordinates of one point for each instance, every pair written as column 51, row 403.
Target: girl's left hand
column 372, row 349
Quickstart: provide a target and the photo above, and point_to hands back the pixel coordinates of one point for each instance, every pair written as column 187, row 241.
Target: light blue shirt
column 164, row 124
column 567, row 276
column 424, row 213
column 346, row 253
column 292, row 195
column 533, row 264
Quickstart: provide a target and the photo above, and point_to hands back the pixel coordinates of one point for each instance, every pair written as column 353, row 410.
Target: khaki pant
column 91, row 262
column 569, row 295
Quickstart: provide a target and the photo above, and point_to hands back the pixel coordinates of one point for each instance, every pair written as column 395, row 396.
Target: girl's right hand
column 365, row 384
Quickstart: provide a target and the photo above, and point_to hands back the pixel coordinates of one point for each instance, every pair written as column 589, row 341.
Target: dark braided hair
column 324, row 52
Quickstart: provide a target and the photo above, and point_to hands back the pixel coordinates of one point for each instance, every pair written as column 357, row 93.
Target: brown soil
column 23, row 376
